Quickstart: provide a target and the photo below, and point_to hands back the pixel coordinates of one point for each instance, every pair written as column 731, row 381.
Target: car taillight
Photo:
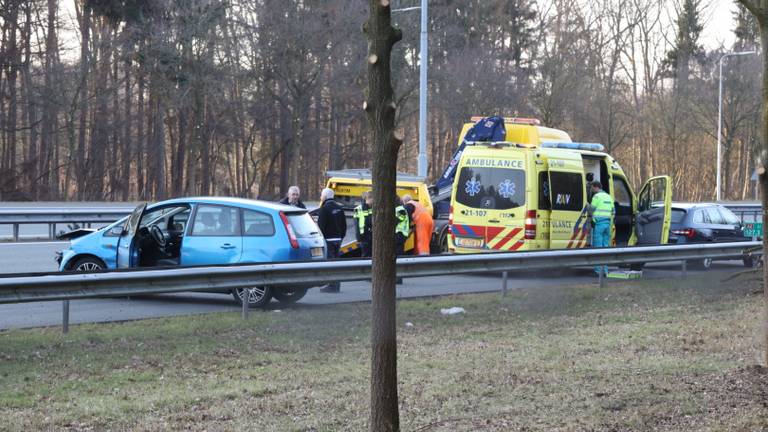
column 530, row 225
column 450, row 220
column 688, row 232
column 289, row 230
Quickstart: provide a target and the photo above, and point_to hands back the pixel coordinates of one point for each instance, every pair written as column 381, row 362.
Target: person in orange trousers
column 423, row 224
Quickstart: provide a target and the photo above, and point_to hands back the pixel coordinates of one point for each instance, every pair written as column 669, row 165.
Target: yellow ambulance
column 530, row 192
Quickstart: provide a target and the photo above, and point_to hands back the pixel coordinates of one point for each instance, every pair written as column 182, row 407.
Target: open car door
column 654, row 211
column 126, row 244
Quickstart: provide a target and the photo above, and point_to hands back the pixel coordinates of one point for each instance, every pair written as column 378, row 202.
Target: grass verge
column 645, row 355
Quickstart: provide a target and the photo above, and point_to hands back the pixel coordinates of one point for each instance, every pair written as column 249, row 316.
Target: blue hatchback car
column 203, row 231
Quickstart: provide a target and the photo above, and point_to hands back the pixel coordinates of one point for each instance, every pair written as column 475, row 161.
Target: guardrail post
column 15, row 232
column 684, row 267
column 52, row 231
column 65, row 317
column 245, row 303
column 504, row 284
column 601, row 278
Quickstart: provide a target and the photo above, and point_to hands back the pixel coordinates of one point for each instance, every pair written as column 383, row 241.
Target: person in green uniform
column 602, row 210
column 363, row 217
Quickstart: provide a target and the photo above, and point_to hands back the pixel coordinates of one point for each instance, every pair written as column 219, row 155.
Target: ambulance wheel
column 443, row 245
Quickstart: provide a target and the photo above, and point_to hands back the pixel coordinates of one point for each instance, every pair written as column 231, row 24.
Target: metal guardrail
column 53, row 216
column 71, row 286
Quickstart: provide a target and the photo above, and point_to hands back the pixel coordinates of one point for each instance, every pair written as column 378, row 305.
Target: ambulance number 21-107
column 471, row 212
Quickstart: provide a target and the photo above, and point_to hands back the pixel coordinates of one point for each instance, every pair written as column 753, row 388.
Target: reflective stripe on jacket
column 403, row 224
column 603, row 205
column 360, row 214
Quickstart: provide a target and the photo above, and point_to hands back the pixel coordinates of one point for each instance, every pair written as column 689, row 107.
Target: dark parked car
column 701, row 223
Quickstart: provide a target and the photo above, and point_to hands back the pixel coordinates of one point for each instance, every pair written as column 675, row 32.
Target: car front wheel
column 289, row 295
column 87, row 264
column 256, row 296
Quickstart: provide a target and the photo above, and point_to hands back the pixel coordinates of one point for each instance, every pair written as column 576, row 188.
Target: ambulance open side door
column 654, row 211
column 568, row 223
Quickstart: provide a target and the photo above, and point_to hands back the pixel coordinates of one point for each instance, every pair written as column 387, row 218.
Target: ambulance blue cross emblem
column 506, row 189
column 472, row 187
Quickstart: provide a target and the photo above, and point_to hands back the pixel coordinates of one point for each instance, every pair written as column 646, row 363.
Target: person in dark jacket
column 292, row 198
column 333, row 224
column 363, row 225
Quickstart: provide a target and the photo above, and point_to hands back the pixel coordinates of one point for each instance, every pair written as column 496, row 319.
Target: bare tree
column 759, row 9
column 381, row 108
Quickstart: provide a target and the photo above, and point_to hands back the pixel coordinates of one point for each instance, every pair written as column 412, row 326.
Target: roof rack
column 512, row 120
column 500, row 144
column 366, row 174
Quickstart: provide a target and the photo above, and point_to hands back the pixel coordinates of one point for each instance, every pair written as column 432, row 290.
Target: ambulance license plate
column 469, row 242
column 316, row 252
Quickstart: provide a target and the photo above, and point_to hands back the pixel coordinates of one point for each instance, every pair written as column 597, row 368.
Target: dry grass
column 649, row 355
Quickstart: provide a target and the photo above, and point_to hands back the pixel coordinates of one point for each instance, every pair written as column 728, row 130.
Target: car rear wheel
column 289, row 295
column 87, row 264
column 256, row 296
column 701, row 264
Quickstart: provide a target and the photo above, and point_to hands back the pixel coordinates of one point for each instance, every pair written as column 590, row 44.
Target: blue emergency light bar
column 575, row 146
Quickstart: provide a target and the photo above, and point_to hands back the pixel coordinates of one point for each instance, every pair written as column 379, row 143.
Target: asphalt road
column 38, row 257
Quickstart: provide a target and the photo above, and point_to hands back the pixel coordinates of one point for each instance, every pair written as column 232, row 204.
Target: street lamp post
column 424, row 59
column 720, row 117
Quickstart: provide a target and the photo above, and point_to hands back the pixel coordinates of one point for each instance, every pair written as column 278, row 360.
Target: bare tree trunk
column 759, row 8
column 381, row 109
column 140, row 136
column 763, row 175
column 81, row 175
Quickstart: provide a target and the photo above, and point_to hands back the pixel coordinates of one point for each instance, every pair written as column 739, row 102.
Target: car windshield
column 303, row 225
column 491, row 188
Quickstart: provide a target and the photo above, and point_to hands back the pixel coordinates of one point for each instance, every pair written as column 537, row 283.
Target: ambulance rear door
column 654, row 211
column 568, row 221
column 490, row 203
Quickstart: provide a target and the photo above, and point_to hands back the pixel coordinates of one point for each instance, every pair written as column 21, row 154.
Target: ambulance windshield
column 491, row 188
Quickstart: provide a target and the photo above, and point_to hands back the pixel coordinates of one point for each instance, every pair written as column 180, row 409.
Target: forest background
column 118, row 100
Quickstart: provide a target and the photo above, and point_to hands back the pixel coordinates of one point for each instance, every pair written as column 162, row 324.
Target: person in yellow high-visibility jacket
column 602, row 210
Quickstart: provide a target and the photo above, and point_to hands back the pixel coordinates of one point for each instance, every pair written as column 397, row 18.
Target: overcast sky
column 719, row 26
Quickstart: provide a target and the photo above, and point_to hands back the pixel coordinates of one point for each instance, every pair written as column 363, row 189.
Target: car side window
column 257, row 224
column 700, row 217
column 213, row 220
column 621, row 192
column 714, row 216
column 728, row 217
column 178, row 222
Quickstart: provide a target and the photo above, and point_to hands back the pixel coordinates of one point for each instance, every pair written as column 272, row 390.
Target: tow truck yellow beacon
column 529, row 191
